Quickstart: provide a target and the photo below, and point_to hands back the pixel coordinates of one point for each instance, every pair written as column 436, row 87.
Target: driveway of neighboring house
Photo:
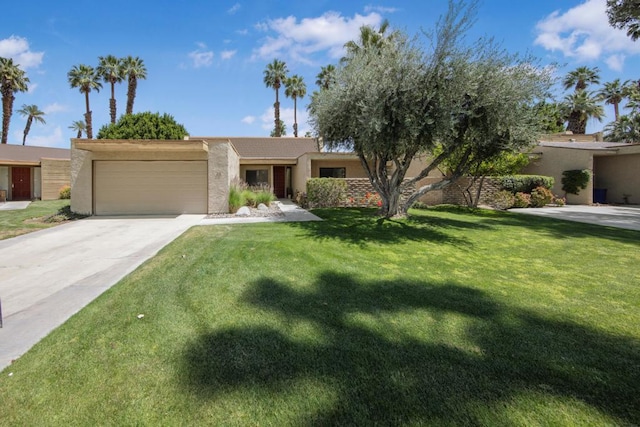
column 48, row 275
column 627, row 217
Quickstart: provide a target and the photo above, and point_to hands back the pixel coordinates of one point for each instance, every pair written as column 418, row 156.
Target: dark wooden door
column 278, row 181
column 20, row 183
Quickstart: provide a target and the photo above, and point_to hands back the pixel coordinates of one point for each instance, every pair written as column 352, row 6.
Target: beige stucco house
column 28, row 172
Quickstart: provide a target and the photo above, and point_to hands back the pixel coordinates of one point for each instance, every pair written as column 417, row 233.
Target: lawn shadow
column 414, row 377
column 362, row 225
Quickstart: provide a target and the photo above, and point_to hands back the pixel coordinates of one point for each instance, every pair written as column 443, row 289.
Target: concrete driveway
column 48, row 275
column 627, row 217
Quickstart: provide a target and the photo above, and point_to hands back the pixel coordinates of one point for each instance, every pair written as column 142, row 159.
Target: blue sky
column 205, row 58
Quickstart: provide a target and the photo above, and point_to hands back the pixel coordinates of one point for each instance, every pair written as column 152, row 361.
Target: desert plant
column 236, row 198
column 560, row 201
column 541, row 197
column 575, row 180
column 522, row 200
column 326, row 192
column 65, row 192
column 249, row 197
column 265, row 196
column 502, row 200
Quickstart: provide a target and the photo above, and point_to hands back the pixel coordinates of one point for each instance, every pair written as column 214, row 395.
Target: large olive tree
column 395, row 101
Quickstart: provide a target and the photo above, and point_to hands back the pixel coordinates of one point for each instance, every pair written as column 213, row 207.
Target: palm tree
column 295, row 88
column 31, row 112
column 85, row 78
column 135, row 70
column 110, row 69
column 281, row 130
column 581, row 77
column 326, row 77
column 78, row 126
column 579, row 107
column 625, row 129
column 12, row 80
column 613, row 93
column 274, row 75
column 369, row 37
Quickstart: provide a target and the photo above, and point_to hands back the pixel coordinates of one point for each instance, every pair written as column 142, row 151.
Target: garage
column 131, row 187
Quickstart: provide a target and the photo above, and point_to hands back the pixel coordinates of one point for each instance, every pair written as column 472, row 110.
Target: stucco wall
column 553, row 161
column 81, row 181
column 353, row 168
column 224, row 166
column 620, row 176
column 56, row 173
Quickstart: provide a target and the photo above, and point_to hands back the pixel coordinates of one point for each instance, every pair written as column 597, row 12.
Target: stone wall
column 359, row 188
column 454, row 193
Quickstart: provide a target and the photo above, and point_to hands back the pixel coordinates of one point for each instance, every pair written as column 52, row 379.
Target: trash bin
column 600, row 195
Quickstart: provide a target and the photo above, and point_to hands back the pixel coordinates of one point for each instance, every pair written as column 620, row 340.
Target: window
column 257, row 177
column 333, row 172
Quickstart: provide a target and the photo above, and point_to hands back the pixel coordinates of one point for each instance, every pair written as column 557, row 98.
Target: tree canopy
column 625, row 14
column 393, row 102
column 144, row 125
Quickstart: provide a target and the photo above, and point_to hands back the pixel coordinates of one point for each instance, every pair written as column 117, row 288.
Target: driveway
column 49, row 275
column 627, row 217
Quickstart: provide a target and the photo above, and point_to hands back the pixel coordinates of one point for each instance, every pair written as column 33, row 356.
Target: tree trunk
column 295, row 117
column 131, row 93
column 112, row 109
column 87, row 119
column 276, row 108
column 616, row 111
column 79, row 134
column 7, row 107
column 27, row 128
column 574, row 122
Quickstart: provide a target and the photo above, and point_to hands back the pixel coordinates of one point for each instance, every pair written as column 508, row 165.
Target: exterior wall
column 56, row 173
column 4, row 179
column 619, row 176
column 455, row 193
column 36, row 183
column 301, row 173
column 81, row 181
column 353, row 168
column 224, row 167
column 243, row 171
column 554, row 161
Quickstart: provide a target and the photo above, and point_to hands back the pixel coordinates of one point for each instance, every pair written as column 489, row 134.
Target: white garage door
column 150, row 187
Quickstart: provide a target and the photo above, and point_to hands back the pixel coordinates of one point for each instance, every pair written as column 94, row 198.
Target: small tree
column 575, row 180
column 145, row 125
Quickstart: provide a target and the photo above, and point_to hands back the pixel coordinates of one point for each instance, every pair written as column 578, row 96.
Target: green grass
column 447, row 318
column 38, row 215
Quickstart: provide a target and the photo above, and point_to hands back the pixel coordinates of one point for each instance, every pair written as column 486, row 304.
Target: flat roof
column 30, row 155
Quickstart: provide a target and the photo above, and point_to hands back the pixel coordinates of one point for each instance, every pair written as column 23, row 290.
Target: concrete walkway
column 627, row 217
column 11, row 206
column 291, row 211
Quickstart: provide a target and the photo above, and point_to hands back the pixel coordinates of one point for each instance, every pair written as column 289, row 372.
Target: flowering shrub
column 541, row 197
column 502, row 200
column 368, row 199
column 326, row 192
column 65, row 192
column 560, row 201
column 522, row 200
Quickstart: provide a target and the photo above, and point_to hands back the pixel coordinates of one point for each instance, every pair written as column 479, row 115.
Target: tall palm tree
column 135, row 70
column 110, row 69
column 78, row 126
column 578, row 108
column 326, row 77
column 274, row 75
column 369, row 37
column 295, row 88
column 31, row 112
column 625, row 129
column 281, row 130
column 581, row 77
column 12, row 80
column 85, row 78
column 613, row 93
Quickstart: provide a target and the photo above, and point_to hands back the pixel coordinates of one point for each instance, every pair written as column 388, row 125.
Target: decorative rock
column 243, row 211
column 262, row 207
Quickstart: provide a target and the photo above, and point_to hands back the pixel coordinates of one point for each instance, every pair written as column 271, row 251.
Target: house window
column 333, row 172
column 257, row 177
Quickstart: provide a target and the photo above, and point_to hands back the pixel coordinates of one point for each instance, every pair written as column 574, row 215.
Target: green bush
column 522, row 200
column 575, row 180
column 326, row 192
column 560, row 201
column 541, row 197
column 65, row 192
column 265, row 196
column 236, row 198
column 250, row 198
column 144, row 125
column 502, row 200
column 525, row 183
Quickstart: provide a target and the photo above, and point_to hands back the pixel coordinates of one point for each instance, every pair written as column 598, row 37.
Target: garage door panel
column 150, row 187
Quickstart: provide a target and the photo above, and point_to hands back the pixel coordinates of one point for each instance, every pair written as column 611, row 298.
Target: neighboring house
column 120, row 177
column 615, row 167
column 28, row 172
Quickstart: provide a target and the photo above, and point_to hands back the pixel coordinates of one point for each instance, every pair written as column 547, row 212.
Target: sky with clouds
column 205, row 59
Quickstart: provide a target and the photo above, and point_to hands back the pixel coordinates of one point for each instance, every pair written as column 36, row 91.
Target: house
column 615, row 167
column 28, row 172
column 131, row 177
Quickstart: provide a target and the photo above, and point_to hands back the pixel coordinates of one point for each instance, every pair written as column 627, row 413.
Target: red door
column 20, row 183
column 278, row 181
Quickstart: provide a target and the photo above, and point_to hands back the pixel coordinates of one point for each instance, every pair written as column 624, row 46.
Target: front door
column 279, row 181
column 20, row 183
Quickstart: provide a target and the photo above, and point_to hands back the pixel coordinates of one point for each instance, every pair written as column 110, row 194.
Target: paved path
column 11, row 206
column 627, row 217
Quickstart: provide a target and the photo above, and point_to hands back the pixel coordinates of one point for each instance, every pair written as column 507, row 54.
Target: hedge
column 525, row 183
column 326, row 192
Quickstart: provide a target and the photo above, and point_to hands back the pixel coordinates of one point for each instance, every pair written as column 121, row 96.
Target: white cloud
column 248, row 120
column 31, row 87
column 54, row 108
column 236, row 7
column 53, row 139
column 242, row 32
column 583, row 33
column 201, row 57
column 297, row 40
column 18, row 49
column 227, row 54
column 286, row 115
column 381, row 9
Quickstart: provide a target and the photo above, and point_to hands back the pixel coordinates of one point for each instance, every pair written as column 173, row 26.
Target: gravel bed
column 272, row 212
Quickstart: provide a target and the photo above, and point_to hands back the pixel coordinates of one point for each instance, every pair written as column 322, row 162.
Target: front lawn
column 447, row 318
column 38, row 215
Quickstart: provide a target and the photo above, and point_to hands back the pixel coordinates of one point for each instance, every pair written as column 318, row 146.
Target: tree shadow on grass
column 413, row 374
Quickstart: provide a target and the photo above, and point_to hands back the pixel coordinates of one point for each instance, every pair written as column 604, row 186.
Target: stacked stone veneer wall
column 454, row 193
column 358, row 188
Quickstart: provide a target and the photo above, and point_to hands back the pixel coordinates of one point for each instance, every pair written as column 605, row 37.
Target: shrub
column 236, row 199
column 144, row 125
column 525, row 183
column 575, row 180
column 265, row 196
column 419, row 205
column 522, row 200
column 502, row 200
column 560, row 201
column 326, row 192
column 249, row 197
column 65, row 192
column 541, row 197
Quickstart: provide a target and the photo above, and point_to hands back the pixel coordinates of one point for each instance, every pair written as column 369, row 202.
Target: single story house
column 143, row 177
column 28, row 172
column 614, row 166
